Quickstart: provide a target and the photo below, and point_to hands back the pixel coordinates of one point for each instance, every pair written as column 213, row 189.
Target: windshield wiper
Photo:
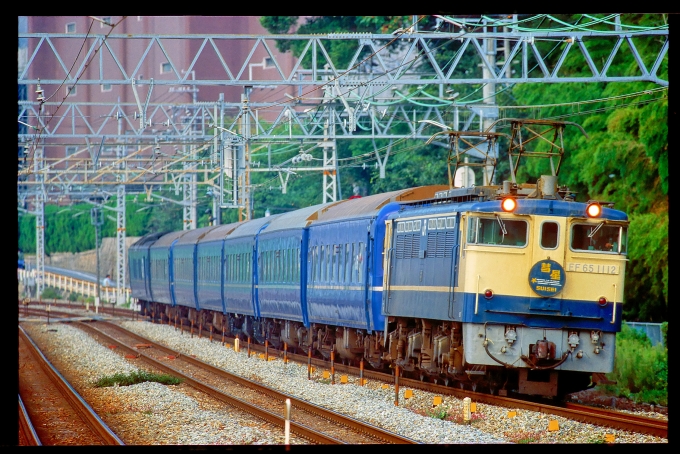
column 599, row 226
column 500, row 222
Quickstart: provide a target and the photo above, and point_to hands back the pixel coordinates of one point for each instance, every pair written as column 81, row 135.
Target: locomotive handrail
column 542, row 313
column 388, row 275
column 614, row 306
column 479, row 276
column 452, row 279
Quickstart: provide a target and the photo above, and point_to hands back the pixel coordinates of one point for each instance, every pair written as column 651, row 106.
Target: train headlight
column 488, row 293
column 594, row 210
column 509, row 204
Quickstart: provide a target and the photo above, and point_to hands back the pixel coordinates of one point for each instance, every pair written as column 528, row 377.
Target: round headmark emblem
column 547, row 278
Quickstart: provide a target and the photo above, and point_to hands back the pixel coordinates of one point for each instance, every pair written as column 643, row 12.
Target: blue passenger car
column 139, row 266
column 240, row 250
column 210, row 268
column 160, row 261
column 282, row 264
column 183, row 259
column 345, row 253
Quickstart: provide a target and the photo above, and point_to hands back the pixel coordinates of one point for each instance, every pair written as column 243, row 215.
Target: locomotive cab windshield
column 602, row 237
column 497, row 231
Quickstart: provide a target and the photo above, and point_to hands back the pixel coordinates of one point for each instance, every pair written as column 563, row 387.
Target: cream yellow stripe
column 435, row 289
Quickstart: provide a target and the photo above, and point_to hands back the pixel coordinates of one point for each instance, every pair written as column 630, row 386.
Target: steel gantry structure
column 394, row 86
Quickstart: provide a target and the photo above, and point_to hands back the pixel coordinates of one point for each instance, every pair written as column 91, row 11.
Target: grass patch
column 523, row 437
column 134, row 378
column 448, row 414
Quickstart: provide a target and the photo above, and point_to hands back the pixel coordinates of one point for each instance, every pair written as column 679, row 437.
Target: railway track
column 586, row 414
column 314, row 423
column 582, row 413
column 53, row 413
column 27, row 434
column 577, row 412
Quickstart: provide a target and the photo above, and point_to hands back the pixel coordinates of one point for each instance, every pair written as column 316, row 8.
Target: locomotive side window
column 549, row 235
column 497, row 231
column 599, row 238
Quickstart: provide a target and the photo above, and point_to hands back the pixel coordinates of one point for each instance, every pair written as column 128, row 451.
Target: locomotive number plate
column 592, row 268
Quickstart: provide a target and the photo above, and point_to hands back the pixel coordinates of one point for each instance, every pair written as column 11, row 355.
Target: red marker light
column 509, row 204
column 602, row 301
column 488, row 294
column 593, row 210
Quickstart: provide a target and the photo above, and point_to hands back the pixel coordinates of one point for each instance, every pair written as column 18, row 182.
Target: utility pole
column 489, row 94
column 97, row 219
column 245, row 132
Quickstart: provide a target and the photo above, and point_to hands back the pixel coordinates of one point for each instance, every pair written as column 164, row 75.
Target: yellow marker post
column 408, row 394
column 553, row 425
column 385, row 386
column 343, row 379
column 609, row 438
column 436, row 401
column 473, row 407
column 326, row 374
column 466, row 410
column 512, row 414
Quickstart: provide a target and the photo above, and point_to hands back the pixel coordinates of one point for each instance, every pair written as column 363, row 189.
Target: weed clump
column 134, row 378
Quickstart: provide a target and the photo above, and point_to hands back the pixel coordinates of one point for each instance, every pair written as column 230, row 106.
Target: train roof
column 369, row 205
column 166, row 240
column 299, row 218
column 524, row 207
column 194, row 235
column 251, row 227
column 219, row 233
column 147, row 239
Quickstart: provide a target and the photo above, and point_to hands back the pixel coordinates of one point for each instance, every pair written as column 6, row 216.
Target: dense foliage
column 623, row 159
column 640, row 369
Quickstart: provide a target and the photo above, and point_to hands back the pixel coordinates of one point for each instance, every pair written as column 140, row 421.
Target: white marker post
column 287, row 424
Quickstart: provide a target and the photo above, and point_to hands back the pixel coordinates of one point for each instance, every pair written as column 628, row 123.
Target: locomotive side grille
column 399, row 252
column 450, row 243
column 440, row 244
column 407, row 246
